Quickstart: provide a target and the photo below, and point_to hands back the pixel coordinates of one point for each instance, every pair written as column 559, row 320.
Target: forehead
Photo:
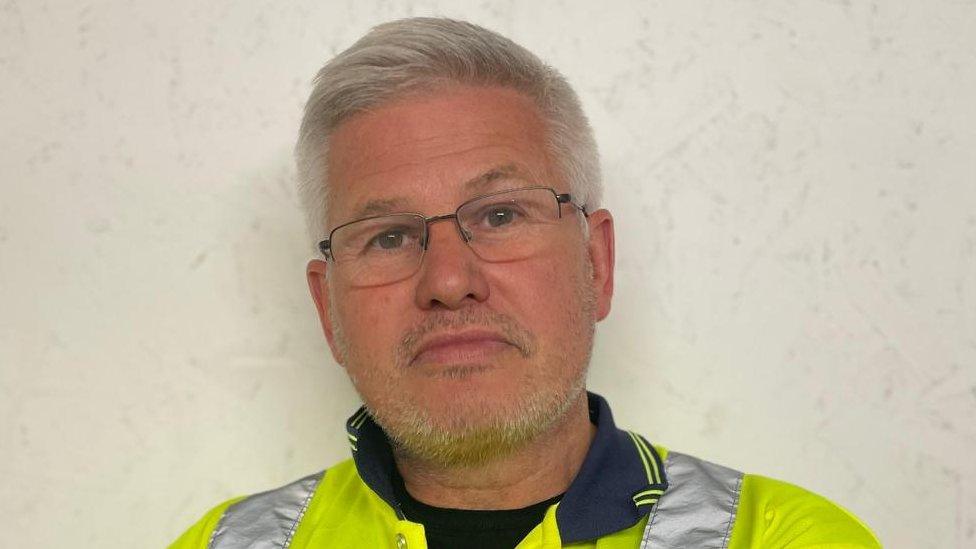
column 429, row 151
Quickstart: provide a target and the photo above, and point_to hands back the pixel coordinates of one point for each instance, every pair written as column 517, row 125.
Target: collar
column 621, row 478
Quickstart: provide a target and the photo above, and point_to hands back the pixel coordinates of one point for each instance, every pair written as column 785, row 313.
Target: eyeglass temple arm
column 567, row 198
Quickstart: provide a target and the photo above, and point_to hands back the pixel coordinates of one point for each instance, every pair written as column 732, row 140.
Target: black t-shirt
column 454, row 528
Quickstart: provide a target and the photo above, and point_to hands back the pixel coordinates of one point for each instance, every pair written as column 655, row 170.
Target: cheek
column 547, row 293
column 371, row 323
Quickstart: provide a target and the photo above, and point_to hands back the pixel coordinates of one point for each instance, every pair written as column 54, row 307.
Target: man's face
column 465, row 358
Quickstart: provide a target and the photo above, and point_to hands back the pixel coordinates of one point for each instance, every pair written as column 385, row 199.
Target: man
column 453, row 182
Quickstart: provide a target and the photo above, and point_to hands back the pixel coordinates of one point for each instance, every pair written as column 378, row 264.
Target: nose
column 451, row 275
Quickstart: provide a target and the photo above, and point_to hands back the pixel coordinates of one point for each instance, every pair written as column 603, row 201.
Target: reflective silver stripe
column 267, row 520
column 698, row 508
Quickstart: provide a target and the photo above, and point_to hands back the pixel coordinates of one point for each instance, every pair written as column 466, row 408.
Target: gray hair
column 410, row 55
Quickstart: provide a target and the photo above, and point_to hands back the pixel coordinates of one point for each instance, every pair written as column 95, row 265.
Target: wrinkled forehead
column 492, row 180
column 433, row 152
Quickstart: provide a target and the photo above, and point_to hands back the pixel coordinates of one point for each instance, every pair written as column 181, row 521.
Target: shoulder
column 274, row 513
column 773, row 513
column 198, row 535
column 748, row 511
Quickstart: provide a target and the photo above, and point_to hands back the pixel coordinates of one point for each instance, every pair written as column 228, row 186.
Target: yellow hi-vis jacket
column 627, row 494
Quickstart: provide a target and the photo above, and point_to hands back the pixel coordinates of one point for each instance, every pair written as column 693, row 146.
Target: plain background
column 794, row 185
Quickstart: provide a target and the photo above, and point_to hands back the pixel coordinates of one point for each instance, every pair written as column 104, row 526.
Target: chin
column 471, row 427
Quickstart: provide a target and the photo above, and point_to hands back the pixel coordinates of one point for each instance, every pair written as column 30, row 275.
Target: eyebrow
column 379, row 206
column 483, row 181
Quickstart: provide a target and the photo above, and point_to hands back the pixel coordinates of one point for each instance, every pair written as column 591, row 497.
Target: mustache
column 513, row 332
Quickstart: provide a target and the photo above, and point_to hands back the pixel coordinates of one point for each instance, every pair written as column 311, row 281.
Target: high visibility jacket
column 627, row 494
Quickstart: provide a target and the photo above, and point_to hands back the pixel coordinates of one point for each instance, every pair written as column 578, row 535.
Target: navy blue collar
column 620, row 480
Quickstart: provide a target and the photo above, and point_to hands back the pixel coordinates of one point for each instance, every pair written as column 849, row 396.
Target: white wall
column 795, row 191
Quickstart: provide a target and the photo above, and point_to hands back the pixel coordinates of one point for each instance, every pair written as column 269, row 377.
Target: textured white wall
column 795, row 192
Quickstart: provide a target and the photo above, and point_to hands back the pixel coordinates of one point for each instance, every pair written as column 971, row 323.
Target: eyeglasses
column 502, row 226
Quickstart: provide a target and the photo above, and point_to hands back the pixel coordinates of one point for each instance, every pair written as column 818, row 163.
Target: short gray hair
column 409, row 55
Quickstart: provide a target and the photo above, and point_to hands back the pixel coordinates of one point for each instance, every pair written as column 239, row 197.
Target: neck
column 542, row 469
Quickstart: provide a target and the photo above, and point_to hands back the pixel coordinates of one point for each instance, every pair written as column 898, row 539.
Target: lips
column 461, row 347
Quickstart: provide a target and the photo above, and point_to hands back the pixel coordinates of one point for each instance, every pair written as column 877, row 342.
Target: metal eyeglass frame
column 325, row 246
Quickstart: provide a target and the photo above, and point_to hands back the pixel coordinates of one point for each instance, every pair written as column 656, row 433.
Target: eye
column 498, row 216
column 390, row 240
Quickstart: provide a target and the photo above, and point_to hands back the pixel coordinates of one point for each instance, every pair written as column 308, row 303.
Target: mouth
column 475, row 346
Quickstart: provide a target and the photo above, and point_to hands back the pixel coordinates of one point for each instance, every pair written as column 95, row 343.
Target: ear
column 601, row 249
column 318, row 285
